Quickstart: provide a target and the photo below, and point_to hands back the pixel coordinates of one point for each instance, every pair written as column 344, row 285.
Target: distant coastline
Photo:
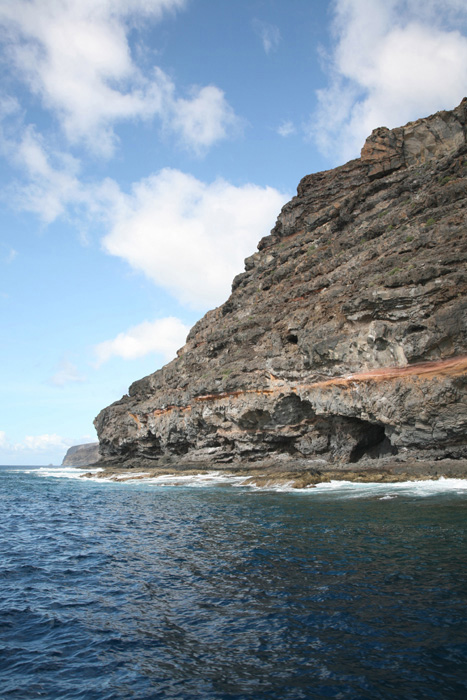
column 81, row 455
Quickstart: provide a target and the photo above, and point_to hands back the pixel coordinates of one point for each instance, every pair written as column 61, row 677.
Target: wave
column 61, row 472
column 388, row 491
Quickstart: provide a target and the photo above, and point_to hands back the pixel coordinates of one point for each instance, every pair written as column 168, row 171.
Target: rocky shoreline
column 302, row 474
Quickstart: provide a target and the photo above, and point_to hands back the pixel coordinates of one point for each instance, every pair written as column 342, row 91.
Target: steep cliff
column 81, row 455
column 345, row 338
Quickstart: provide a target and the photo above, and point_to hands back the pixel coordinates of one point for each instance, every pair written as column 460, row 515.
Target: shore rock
column 298, row 474
column 345, row 338
column 82, row 455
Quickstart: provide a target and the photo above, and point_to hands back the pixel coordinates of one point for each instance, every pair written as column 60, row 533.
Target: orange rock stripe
column 453, row 367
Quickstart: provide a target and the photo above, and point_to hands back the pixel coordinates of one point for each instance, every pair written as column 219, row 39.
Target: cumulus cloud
column 269, row 34
column 66, row 373
column 392, row 61
column 188, row 236
column 163, row 336
column 76, row 57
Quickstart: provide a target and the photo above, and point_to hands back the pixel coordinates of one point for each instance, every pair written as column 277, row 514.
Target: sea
column 204, row 587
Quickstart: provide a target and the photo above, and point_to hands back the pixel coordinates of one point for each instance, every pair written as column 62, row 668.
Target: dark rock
column 345, row 339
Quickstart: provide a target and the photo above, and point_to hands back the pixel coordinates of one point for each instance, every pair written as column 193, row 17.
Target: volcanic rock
column 344, row 339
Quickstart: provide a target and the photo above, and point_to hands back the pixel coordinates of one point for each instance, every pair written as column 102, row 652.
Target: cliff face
column 81, row 455
column 346, row 335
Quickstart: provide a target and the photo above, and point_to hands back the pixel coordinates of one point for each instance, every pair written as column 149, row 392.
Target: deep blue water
column 112, row 590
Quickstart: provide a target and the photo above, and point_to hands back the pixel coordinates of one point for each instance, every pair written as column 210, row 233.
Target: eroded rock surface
column 345, row 338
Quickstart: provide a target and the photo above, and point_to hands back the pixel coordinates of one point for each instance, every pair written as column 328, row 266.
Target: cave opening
column 372, row 444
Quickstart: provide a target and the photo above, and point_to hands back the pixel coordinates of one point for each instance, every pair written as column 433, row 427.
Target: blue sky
column 146, row 148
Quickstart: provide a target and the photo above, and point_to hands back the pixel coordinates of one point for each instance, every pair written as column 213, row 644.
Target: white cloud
column 75, row 56
column 42, row 443
column 393, row 61
column 190, row 237
column 52, row 187
column 163, row 336
column 287, row 128
column 53, row 177
column 66, row 373
column 187, row 236
column 269, row 34
column 35, row 443
column 203, row 119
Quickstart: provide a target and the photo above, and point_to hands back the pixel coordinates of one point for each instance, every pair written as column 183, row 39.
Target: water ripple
column 113, row 591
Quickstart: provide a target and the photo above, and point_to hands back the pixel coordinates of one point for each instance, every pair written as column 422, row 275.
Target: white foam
column 285, row 487
column 63, row 472
column 387, row 491
column 339, row 489
column 214, row 478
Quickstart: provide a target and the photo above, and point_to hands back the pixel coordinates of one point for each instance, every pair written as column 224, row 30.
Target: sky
column 146, row 146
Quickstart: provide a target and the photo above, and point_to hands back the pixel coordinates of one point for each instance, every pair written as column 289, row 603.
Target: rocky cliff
column 344, row 339
column 81, row 455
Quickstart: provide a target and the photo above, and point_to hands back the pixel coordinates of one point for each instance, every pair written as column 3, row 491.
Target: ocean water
column 204, row 588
